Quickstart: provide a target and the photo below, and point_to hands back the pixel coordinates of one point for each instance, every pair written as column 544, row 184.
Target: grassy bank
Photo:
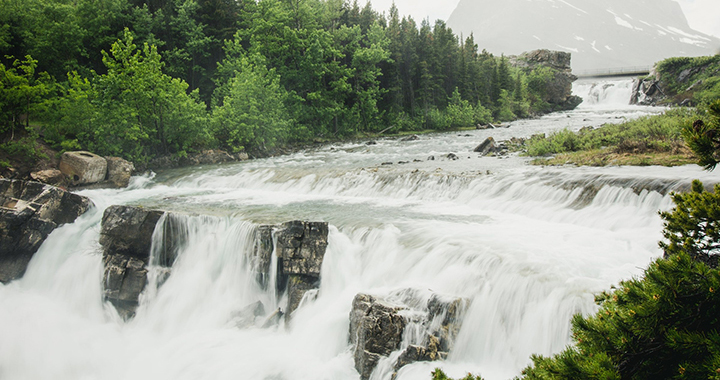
column 650, row 140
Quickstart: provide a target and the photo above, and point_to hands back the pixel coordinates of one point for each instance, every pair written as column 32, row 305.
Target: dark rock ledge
column 29, row 212
column 126, row 237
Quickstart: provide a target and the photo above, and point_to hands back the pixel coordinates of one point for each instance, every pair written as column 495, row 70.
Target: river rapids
column 528, row 246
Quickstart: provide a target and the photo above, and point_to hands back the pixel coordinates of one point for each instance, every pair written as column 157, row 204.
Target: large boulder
column 29, row 212
column 126, row 237
column 376, row 330
column 83, row 168
column 119, row 171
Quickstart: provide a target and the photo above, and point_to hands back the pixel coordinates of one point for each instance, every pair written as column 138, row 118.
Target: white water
column 524, row 244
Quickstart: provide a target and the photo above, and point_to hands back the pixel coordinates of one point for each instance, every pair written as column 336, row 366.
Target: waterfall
column 527, row 247
column 611, row 93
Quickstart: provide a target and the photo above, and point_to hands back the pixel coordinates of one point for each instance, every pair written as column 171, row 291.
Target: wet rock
column 447, row 313
column 300, row 248
column 486, row 147
column 126, row 238
column 428, row 353
column 377, row 327
column 82, row 168
column 452, row 156
column 376, row 330
column 119, row 171
column 411, row 138
column 51, row 177
column 386, row 163
column 431, row 158
column 29, row 212
column 371, row 143
column 297, row 287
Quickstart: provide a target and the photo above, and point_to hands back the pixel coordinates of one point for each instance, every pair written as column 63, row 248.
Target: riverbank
column 649, row 140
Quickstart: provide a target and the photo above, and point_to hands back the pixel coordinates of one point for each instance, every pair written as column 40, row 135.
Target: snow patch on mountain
column 623, row 32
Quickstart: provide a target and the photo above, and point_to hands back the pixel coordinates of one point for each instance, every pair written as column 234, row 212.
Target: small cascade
column 604, row 93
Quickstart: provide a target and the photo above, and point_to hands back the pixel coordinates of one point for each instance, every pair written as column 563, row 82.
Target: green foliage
column 438, row 374
column 335, row 70
column 664, row 325
column 703, row 137
column 696, row 69
column 253, row 114
column 660, row 133
column 693, row 226
column 134, row 111
column 21, row 90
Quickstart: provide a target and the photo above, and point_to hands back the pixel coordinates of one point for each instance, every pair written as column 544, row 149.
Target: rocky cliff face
column 600, row 34
column 678, row 81
column 559, row 90
column 29, row 212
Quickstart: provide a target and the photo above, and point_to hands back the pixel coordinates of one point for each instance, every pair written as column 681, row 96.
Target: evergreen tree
column 662, row 326
column 703, row 137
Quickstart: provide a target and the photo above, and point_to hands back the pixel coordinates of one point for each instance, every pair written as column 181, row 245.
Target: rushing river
column 528, row 246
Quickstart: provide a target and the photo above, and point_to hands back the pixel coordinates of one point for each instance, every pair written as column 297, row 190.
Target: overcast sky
column 703, row 15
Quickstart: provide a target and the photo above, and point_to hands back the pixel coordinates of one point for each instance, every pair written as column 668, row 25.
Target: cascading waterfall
column 527, row 247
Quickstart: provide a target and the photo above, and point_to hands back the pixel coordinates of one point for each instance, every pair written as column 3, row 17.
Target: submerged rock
column 29, row 212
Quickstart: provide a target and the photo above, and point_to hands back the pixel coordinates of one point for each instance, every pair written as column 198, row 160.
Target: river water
column 528, row 246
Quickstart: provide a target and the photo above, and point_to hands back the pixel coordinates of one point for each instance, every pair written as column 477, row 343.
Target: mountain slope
column 599, row 34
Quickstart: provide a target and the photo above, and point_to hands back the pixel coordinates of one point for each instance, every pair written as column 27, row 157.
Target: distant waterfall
column 604, row 93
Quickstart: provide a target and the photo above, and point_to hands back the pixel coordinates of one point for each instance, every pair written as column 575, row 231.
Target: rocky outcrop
column 486, row 147
column 676, row 81
column 377, row 329
column 300, row 251
column 29, row 212
column 126, row 237
column 647, row 92
column 82, row 168
column 558, row 91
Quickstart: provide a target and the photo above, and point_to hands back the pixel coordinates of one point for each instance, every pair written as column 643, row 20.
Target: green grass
column 650, row 140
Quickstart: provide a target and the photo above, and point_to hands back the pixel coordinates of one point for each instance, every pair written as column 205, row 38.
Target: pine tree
column 704, row 137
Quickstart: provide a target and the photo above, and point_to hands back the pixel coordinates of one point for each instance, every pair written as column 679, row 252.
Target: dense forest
column 142, row 79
